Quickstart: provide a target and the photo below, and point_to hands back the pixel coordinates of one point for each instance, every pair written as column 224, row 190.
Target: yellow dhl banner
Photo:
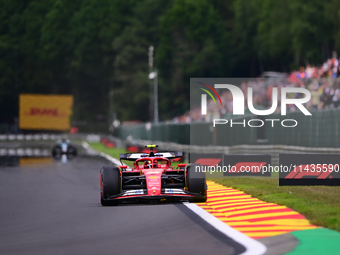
column 49, row 112
column 33, row 161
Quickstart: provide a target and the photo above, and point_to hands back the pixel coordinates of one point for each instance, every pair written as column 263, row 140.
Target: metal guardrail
column 22, row 152
column 30, row 137
column 49, row 137
column 273, row 150
column 321, row 130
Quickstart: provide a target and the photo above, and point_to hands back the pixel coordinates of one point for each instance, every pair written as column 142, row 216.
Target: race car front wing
column 177, row 194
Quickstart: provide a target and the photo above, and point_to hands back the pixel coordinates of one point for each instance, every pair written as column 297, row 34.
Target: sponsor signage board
column 210, row 163
column 233, row 165
column 45, row 112
column 247, row 165
column 309, row 169
column 206, row 159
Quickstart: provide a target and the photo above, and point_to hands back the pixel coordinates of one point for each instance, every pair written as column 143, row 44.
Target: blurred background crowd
column 322, row 81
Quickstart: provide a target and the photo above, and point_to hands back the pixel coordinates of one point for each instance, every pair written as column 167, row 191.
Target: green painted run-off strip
column 317, row 241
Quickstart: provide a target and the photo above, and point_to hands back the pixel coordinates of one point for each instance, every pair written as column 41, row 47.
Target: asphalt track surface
column 54, row 208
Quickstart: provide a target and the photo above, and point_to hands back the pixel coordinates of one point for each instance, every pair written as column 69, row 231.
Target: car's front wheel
column 196, row 182
column 109, row 184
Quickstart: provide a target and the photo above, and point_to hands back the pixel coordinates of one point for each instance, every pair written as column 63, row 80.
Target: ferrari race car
column 64, row 146
column 152, row 178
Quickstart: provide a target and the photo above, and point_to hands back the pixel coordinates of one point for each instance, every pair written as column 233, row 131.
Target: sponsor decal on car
column 174, row 191
column 134, row 192
column 151, row 172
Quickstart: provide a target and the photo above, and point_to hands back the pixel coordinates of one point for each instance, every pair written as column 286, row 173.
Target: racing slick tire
column 72, row 150
column 56, row 150
column 197, row 183
column 109, row 183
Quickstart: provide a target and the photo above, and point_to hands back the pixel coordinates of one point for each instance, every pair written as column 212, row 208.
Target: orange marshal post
column 47, row 112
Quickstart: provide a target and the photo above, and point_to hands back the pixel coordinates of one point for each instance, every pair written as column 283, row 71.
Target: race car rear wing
column 135, row 156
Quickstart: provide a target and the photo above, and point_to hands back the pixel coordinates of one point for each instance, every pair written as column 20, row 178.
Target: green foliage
column 91, row 47
column 131, row 88
column 114, row 152
column 193, row 43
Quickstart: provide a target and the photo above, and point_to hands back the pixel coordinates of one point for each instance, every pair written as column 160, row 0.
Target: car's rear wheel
column 197, row 182
column 109, row 183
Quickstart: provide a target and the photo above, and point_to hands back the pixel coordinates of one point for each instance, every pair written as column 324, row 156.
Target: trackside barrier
column 273, row 150
column 321, row 130
column 49, row 137
column 177, row 133
column 21, row 152
column 29, row 137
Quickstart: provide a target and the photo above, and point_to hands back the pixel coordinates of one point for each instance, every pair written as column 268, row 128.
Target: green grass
column 113, row 152
column 319, row 204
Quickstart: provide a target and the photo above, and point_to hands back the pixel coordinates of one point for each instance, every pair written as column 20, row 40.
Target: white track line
column 252, row 246
column 113, row 160
column 108, row 157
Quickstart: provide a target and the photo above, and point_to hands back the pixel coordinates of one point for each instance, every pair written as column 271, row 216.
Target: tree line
column 97, row 50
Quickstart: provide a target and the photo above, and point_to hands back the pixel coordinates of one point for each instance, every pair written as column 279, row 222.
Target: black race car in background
column 64, row 147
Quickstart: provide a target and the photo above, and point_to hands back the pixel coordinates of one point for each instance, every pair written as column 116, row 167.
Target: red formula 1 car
column 152, row 178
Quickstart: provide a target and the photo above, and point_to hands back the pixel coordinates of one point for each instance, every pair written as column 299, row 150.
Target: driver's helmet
column 155, row 163
column 147, row 164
